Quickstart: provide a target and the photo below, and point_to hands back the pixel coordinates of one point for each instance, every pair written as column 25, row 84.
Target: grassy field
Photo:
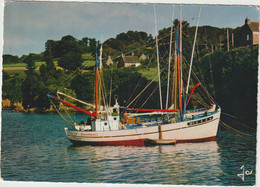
column 149, row 73
column 87, row 56
column 88, row 61
column 37, row 64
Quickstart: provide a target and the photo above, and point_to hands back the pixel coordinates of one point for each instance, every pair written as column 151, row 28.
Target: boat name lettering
column 92, row 134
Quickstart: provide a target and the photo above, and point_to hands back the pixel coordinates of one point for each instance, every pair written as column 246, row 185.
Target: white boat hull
column 197, row 130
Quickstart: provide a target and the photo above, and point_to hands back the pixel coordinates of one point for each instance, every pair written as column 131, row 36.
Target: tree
column 70, row 61
column 10, row 59
column 33, row 89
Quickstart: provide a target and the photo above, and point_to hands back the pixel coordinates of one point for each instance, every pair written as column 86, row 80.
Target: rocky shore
column 18, row 107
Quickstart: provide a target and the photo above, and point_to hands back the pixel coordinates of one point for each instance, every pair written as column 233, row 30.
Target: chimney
column 247, row 21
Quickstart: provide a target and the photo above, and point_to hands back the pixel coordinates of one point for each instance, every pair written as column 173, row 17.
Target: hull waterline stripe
column 154, row 132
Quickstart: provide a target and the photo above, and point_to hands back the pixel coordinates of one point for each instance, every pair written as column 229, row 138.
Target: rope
column 149, row 96
column 66, row 110
column 237, row 121
column 61, row 114
column 143, row 90
column 212, row 79
column 53, row 141
column 234, row 129
column 233, row 132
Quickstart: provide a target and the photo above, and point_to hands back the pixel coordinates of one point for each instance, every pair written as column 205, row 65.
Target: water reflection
column 25, row 158
column 234, row 153
column 179, row 164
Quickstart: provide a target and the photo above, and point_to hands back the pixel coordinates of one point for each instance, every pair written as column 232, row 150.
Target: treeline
column 232, row 82
column 231, row 77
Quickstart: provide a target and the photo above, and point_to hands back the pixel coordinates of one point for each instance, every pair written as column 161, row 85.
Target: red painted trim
column 151, row 110
column 138, row 142
column 197, row 140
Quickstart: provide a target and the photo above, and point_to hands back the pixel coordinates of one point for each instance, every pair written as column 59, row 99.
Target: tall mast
column 181, row 51
column 96, row 89
column 157, row 54
column 169, row 63
column 193, row 49
column 191, row 60
column 178, row 69
column 100, row 75
column 175, row 78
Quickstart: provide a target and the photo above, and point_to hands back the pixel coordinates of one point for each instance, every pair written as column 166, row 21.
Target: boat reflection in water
column 187, row 163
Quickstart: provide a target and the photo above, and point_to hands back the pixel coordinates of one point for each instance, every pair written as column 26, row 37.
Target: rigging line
column 201, row 102
column 82, row 102
column 111, row 80
column 134, row 90
column 212, row 80
column 118, row 56
column 101, row 78
column 53, row 141
column 236, row 129
column 149, row 96
column 66, row 110
column 68, row 77
column 193, row 48
column 61, row 114
column 201, row 92
column 161, row 38
column 234, row 132
column 237, row 121
column 157, row 54
column 199, row 67
column 195, row 76
column 169, row 64
column 152, row 93
column 144, row 89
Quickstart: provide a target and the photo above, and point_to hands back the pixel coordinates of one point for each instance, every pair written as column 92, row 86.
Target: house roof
column 109, row 60
column 254, row 26
column 130, row 59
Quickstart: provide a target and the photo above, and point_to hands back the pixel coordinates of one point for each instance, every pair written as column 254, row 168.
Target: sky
column 28, row 25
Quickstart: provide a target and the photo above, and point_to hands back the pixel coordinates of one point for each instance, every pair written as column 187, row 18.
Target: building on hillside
column 109, row 61
column 127, row 61
column 142, row 57
column 249, row 34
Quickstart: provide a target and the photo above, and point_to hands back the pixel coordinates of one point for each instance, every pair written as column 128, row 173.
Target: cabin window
column 114, row 118
column 203, row 120
column 105, row 123
column 199, row 121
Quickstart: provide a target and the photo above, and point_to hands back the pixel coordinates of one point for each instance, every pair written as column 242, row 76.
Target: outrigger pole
column 73, row 106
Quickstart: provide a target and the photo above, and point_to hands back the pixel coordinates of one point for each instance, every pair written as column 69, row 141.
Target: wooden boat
column 108, row 126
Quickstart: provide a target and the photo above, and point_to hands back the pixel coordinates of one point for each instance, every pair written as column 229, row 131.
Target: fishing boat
column 116, row 125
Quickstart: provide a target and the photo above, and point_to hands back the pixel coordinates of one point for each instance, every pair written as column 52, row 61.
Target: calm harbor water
column 25, row 156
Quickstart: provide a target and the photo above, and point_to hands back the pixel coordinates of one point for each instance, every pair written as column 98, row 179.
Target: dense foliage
column 234, row 75
column 230, row 76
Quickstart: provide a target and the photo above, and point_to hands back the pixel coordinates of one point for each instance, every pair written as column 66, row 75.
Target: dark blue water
column 27, row 157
